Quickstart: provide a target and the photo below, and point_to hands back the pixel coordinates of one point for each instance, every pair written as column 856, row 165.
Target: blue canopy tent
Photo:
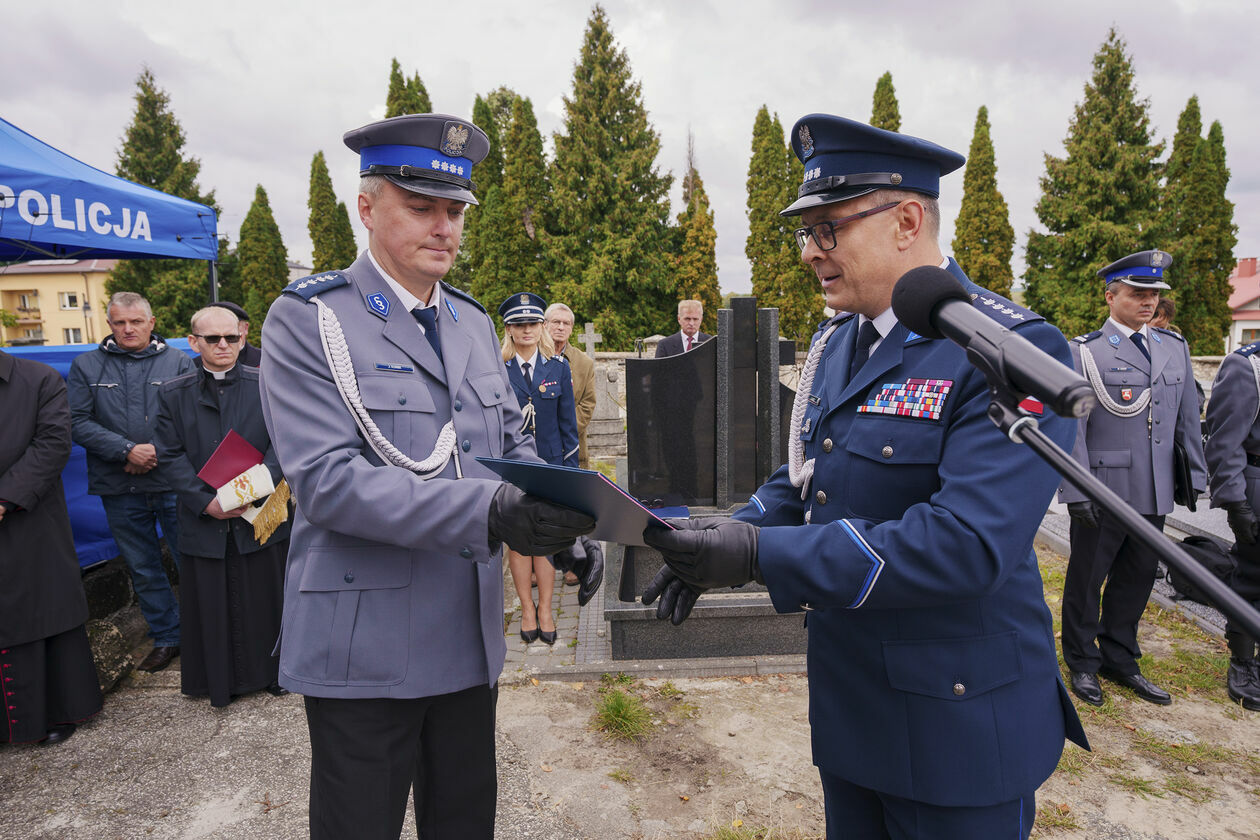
column 52, row 205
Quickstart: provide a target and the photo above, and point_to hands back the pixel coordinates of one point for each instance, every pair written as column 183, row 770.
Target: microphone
column 932, row 303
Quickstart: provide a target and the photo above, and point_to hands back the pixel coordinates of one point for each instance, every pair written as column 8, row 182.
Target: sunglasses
column 215, row 339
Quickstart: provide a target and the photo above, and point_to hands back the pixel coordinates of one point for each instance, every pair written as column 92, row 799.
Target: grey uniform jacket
column 1133, row 456
column 392, row 588
column 1232, row 424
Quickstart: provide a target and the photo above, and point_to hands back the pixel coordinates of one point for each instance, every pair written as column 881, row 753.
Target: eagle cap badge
column 525, row 299
column 807, row 141
column 454, row 138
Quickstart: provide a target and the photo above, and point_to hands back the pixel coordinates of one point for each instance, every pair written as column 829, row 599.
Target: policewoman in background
column 544, row 388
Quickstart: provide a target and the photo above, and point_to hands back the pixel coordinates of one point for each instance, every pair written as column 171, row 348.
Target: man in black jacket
column 113, row 409
column 231, row 584
column 49, row 682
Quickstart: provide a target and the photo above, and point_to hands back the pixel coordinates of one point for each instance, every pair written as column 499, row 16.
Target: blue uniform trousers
column 133, row 520
column 858, row 813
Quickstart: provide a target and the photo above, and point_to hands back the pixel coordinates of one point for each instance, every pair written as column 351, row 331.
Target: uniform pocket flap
column 376, row 567
column 490, row 388
column 953, row 669
column 1111, row 458
column 897, row 441
column 394, row 393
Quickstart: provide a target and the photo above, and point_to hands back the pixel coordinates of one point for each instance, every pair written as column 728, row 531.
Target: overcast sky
column 260, row 86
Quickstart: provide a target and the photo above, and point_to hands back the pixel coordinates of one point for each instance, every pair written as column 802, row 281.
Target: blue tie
column 1136, row 338
column 427, row 316
column 866, row 336
column 529, row 383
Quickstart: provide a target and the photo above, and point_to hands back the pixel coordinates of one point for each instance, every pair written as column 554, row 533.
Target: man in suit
column 381, row 386
column 1146, row 402
column 903, row 523
column 688, row 337
column 1233, row 461
column 558, row 321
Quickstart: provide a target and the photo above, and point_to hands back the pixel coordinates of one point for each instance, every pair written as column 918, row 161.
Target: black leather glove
column 1085, row 513
column 570, row 559
column 1243, row 522
column 531, row 525
column 677, row 598
column 719, row 553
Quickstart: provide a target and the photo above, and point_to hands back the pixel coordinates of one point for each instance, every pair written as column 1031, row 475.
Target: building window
column 32, row 332
column 72, row 335
column 69, row 300
column 1249, row 336
column 28, row 301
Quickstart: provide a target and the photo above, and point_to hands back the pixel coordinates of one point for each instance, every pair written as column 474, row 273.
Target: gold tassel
column 273, row 514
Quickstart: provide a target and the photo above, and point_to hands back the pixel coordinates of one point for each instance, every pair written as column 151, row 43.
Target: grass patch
column 669, row 691
column 573, row 643
column 738, row 831
column 1189, row 672
column 1055, row 815
column 621, row 775
column 622, row 715
column 1181, row 754
column 1136, row 784
column 1190, row 789
column 608, row 468
column 618, row 680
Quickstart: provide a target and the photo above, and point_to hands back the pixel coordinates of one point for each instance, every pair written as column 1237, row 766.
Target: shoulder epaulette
column 1007, row 313
column 1170, row 333
column 560, row 357
column 1248, row 349
column 1088, row 336
column 308, row 287
column 462, row 295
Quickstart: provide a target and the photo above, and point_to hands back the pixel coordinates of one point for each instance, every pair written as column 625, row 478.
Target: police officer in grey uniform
column 1233, row 458
column 1146, row 401
column 381, row 385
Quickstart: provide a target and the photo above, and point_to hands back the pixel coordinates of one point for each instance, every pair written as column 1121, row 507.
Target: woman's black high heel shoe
column 548, row 636
column 528, row 636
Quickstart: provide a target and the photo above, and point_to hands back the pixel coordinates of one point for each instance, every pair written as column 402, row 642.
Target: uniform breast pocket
column 491, row 392
column 954, row 670
column 893, row 465
column 1125, row 386
column 402, row 409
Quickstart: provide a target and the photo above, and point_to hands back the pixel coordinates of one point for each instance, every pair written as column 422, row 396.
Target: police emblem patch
column 454, row 139
column 807, row 141
column 1157, row 259
column 525, row 299
column 1126, row 394
column 379, row 303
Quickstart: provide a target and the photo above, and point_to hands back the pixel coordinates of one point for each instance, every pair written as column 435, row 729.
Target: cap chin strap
column 340, row 364
column 801, row 471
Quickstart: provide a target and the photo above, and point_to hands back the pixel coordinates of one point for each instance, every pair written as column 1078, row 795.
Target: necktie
column 866, row 336
column 687, row 349
column 427, row 316
column 1136, row 338
column 529, row 383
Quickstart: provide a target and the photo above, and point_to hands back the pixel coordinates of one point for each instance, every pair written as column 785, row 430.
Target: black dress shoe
column 528, row 636
column 1140, row 686
column 276, row 690
column 548, row 636
column 1243, row 683
column 1086, row 687
column 60, row 732
column 158, row 658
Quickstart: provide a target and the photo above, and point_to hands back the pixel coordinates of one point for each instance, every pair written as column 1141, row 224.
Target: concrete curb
column 714, row 666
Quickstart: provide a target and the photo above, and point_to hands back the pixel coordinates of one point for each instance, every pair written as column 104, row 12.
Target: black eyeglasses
column 824, row 233
column 215, row 339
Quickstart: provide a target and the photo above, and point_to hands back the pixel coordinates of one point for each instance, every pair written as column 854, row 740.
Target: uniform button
column 465, row 446
column 960, row 689
column 820, row 497
column 827, row 444
column 349, row 577
column 459, row 406
column 465, row 552
column 496, row 395
column 887, row 452
column 402, row 399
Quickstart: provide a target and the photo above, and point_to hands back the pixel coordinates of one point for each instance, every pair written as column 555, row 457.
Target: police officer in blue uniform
column 1146, row 401
column 381, row 384
column 546, row 394
column 903, row 523
column 1233, row 460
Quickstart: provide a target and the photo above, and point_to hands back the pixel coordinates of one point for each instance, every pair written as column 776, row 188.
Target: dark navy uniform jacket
column 1233, row 419
column 555, row 414
column 932, row 667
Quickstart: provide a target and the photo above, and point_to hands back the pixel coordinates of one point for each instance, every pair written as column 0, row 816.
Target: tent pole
column 214, row 280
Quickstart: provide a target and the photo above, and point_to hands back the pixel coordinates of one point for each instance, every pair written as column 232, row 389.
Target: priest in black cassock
column 48, row 681
column 231, row 586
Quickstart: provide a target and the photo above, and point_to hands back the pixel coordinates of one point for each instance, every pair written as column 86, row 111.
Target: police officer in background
column 1233, row 459
column 381, row 385
column 1146, row 401
column 904, row 522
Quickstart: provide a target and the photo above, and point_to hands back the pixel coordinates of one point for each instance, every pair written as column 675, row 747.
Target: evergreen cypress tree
column 1099, row 203
column 884, row 111
column 515, row 257
column 405, row 96
column 418, row 96
column 264, row 269
column 152, row 155
column 488, row 176
column 611, row 205
column 779, row 278
column 983, row 236
column 696, row 268
column 328, row 223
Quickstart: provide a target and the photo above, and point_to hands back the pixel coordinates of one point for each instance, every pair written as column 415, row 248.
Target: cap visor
column 819, row 199
column 1142, row 284
column 435, row 189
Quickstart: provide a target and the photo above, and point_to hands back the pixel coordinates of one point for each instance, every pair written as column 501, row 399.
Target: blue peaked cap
column 522, row 308
column 1143, row 270
column 430, row 154
column 845, row 159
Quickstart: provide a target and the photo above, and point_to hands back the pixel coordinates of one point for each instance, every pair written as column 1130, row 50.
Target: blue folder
column 618, row 516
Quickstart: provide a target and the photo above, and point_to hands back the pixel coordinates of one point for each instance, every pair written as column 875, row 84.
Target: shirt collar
column 406, row 298
column 1127, row 332
column 532, row 361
